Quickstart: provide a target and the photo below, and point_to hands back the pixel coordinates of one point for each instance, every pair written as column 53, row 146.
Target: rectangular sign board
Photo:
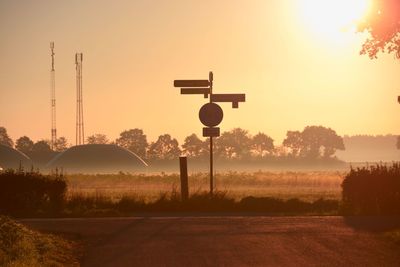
column 195, row 91
column 228, row 98
column 233, row 98
column 211, row 131
column 191, row 83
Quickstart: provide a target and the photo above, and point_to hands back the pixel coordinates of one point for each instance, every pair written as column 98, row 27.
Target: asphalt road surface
column 230, row 240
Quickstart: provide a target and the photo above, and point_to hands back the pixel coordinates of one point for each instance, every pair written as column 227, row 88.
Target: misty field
column 307, row 186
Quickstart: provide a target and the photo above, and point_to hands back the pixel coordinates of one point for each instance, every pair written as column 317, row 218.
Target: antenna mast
column 80, row 132
column 53, row 98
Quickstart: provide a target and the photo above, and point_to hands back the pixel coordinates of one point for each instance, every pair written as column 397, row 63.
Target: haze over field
column 296, row 62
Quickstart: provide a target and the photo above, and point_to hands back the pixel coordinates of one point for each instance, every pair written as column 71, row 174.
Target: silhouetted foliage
column 398, row 142
column 383, row 25
column 4, row 138
column 294, row 141
column 61, row 144
column 134, row 140
column 373, row 190
column 234, row 144
column 41, row 152
column 194, row 147
column 97, row 139
column 313, row 142
column 198, row 202
column 31, row 193
column 24, row 144
column 261, row 145
column 165, row 148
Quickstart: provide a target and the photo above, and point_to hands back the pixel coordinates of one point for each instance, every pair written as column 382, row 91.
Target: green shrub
column 373, row 190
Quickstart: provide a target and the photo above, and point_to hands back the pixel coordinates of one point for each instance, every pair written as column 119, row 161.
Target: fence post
column 184, row 178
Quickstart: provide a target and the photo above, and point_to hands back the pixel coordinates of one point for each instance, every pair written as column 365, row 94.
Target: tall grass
column 308, row 186
column 20, row 246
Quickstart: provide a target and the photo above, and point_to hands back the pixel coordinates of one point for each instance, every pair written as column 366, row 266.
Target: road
column 230, row 240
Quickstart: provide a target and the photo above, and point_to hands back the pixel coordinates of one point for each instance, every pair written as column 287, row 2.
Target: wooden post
column 211, row 167
column 184, row 178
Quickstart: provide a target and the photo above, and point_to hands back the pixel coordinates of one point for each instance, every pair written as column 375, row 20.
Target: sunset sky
column 297, row 61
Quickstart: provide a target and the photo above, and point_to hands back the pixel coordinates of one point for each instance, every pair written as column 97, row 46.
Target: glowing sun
column 330, row 18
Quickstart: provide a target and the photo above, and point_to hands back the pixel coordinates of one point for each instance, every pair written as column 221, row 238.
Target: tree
column 5, row 140
column 262, row 144
column 134, row 140
column 165, row 148
column 233, row 144
column 24, row 144
column 97, row 139
column 317, row 138
column 383, row 26
column 398, row 142
column 194, row 147
column 61, row 144
column 314, row 142
column 41, row 152
column 294, row 142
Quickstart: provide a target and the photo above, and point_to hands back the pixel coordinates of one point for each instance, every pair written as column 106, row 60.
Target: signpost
column 210, row 114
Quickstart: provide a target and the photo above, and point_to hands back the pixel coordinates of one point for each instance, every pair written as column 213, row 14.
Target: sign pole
column 210, row 78
column 210, row 114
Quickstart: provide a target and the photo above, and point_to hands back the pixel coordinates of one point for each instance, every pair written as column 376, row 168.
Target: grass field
column 307, row 186
column 20, row 246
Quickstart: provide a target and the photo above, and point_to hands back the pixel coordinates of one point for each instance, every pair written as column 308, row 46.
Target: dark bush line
column 199, row 202
column 31, row 193
column 373, row 190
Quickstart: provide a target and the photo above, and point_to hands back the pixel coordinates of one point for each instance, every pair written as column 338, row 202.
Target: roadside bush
column 31, row 193
column 373, row 190
column 21, row 246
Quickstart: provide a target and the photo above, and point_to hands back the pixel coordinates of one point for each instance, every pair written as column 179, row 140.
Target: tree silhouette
column 61, row 144
column 41, row 152
column 398, row 142
column 314, row 142
column 234, row 144
column 261, row 145
column 5, row 140
column 317, row 139
column 134, row 140
column 24, row 144
column 165, row 148
column 383, row 25
column 97, row 139
column 194, row 147
column 294, row 142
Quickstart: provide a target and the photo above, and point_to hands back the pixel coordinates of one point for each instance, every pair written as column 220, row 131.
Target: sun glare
column 331, row 18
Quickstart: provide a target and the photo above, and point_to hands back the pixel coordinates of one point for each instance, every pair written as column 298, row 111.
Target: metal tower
column 80, row 132
column 53, row 98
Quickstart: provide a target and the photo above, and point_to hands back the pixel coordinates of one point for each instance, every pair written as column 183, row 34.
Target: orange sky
column 294, row 73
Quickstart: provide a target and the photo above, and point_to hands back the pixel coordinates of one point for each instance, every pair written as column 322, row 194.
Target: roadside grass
column 394, row 236
column 20, row 246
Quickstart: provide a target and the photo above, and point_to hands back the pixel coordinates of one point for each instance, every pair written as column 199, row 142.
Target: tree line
column 314, row 142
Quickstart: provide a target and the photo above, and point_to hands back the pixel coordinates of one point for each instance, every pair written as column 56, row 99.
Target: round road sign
column 211, row 114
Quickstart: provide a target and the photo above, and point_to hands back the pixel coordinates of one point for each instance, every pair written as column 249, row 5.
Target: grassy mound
column 20, row 246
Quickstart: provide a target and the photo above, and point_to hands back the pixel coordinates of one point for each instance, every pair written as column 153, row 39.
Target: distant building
column 11, row 158
column 97, row 158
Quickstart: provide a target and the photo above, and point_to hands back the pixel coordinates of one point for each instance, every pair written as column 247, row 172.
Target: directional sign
column 211, row 114
column 233, row 98
column 195, row 91
column 191, row 83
